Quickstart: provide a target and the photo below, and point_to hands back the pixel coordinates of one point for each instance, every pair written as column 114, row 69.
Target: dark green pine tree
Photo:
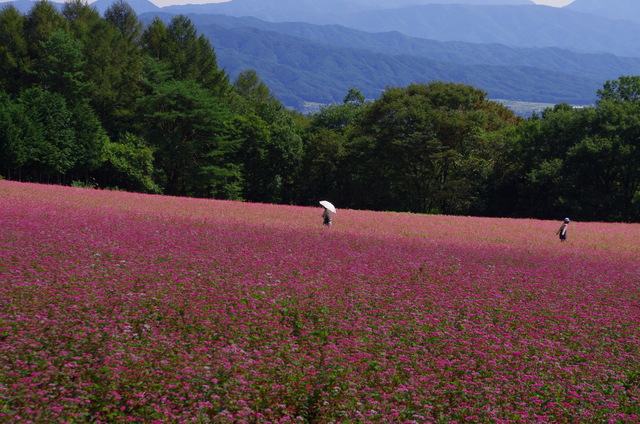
column 15, row 62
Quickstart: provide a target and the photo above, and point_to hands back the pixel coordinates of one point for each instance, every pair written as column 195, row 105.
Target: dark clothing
column 562, row 232
column 327, row 217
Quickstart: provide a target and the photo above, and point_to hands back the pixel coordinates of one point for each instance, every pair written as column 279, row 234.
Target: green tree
column 270, row 153
column 596, row 171
column 609, row 159
column 80, row 17
column 60, row 67
column 322, row 175
column 128, row 164
column 189, row 55
column 90, row 140
column 323, row 170
column 115, row 66
column 271, row 145
column 539, row 175
column 190, row 131
column 16, row 133
column 182, row 37
column 155, row 72
column 51, row 148
column 249, row 85
column 43, row 20
column 583, row 162
column 339, row 117
column 426, row 148
column 15, row 62
column 625, row 89
column 124, row 18
column 155, row 40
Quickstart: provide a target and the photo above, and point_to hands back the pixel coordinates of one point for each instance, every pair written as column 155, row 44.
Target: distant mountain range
column 595, row 66
column 510, row 25
column 611, row 9
column 305, row 62
column 311, row 51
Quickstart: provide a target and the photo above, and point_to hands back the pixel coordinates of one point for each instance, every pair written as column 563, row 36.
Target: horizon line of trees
column 107, row 102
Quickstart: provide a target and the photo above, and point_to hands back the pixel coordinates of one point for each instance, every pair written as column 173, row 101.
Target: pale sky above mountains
column 162, row 3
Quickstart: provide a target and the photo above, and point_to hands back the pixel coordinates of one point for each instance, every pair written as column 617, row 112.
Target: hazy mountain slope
column 597, row 66
column 22, row 5
column 301, row 10
column 611, row 9
column 524, row 26
column 298, row 70
column 140, row 6
column 520, row 26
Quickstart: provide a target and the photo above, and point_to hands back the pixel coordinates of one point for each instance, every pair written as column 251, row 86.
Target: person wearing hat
column 562, row 232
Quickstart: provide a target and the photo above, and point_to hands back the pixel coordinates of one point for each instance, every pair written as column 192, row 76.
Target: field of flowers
column 119, row 307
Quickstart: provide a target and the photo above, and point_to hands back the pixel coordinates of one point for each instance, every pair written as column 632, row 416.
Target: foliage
column 271, row 144
column 584, row 162
column 322, row 175
column 189, row 55
column 60, row 66
column 540, row 152
column 129, row 164
column 338, row 117
column 14, row 58
column 50, row 149
column 189, row 131
column 426, row 148
column 15, row 132
column 98, row 80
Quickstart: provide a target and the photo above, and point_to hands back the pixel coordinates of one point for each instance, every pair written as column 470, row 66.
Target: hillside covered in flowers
column 121, row 307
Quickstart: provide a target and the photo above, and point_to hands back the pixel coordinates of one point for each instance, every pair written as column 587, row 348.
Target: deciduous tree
column 271, row 147
column 426, row 148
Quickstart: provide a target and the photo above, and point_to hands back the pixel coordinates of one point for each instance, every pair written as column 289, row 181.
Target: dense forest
column 107, row 102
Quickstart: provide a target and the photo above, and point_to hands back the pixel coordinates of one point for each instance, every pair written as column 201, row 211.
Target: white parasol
column 328, row 205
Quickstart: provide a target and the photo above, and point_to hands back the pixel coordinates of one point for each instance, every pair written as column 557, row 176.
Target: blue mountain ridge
column 596, row 66
column 512, row 25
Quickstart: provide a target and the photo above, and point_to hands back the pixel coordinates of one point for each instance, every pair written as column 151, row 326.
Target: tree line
column 107, row 102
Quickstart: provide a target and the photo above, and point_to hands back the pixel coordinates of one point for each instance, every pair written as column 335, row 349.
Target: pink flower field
column 120, row 307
